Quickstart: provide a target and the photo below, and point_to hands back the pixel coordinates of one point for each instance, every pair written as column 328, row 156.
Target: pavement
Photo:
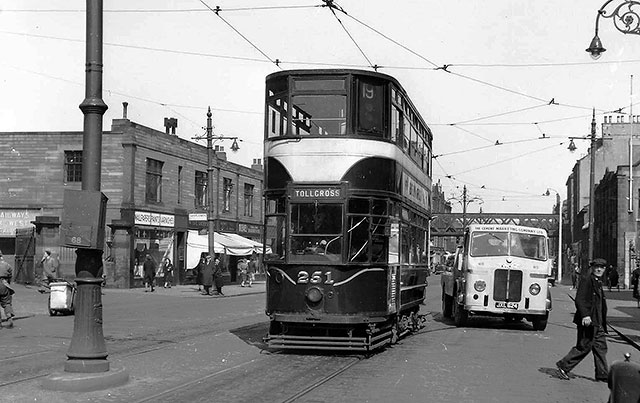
column 29, row 302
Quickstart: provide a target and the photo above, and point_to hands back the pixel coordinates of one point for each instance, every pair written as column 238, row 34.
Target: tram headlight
column 480, row 285
column 534, row 289
column 313, row 295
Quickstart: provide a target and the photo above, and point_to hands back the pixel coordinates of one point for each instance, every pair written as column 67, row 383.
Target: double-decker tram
column 347, row 188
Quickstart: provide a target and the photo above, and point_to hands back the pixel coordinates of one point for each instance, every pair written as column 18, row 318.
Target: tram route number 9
column 315, row 278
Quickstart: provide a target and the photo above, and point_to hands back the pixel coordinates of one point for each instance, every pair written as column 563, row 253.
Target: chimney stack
column 220, row 153
column 170, row 124
column 257, row 164
column 124, row 110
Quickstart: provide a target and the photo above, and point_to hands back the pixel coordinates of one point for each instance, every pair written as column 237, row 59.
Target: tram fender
column 624, row 381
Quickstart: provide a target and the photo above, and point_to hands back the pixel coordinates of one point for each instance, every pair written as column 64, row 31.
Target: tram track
column 54, row 357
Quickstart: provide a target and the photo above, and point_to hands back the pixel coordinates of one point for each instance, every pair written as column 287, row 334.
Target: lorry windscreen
column 487, row 243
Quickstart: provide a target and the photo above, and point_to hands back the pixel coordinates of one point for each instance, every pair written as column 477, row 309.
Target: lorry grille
column 507, row 285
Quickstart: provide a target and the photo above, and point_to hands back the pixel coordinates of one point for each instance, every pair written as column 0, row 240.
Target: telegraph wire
column 151, row 11
column 472, row 133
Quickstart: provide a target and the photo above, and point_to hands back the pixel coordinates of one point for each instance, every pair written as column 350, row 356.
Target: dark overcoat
column 586, row 301
column 207, row 274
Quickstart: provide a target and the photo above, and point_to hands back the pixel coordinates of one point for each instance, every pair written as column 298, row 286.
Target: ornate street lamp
column 211, row 213
column 625, row 18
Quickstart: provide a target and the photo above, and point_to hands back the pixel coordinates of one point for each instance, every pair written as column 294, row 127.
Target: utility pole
column 210, row 183
column 464, row 207
column 592, row 187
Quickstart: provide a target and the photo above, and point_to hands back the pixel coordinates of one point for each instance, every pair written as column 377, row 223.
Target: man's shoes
column 562, row 374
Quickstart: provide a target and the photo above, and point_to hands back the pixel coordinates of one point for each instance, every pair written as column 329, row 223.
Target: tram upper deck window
column 277, row 107
column 316, row 232
column 319, row 114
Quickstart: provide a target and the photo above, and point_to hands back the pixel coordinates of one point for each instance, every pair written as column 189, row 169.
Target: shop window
column 201, row 189
column 73, row 166
column 248, row 200
column 154, row 181
column 227, row 190
column 156, row 243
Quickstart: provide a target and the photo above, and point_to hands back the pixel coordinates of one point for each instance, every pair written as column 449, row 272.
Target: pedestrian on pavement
column 6, row 292
column 207, row 275
column 635, row 279
column 612, row 278
column 168, row 272
column 198, row 269
column 149, row 270
column 243, row 268
column 217, row 276
column 575, row 272
column 253, row 267
column 591, row 319
column 50, row 267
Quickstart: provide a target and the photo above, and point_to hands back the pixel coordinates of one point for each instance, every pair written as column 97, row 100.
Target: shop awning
column 230, row 244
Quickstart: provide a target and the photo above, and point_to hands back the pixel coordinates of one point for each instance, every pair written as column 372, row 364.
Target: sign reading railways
column 308, row 192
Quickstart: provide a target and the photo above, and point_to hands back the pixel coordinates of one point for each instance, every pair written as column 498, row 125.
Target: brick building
column 154, row 181
column 615, row 226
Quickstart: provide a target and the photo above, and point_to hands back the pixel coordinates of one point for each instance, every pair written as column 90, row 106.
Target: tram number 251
column 314, row 278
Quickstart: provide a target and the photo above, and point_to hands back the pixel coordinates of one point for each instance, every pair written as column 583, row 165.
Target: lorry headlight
column 480, row 285
column 534, row 289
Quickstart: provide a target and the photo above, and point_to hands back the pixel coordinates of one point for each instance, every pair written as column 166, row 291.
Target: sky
column 510, row 72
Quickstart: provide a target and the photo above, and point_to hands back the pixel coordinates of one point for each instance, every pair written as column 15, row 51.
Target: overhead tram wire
column 332, row 7
column 217, row 10
column 507, row 159
column 151, row 11
column 485, row 147
column 499, row 114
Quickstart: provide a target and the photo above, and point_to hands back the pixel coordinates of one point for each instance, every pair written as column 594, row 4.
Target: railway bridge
column 453, row 224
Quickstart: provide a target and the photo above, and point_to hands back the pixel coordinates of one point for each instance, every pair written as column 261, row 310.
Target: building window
column 201, row 189
column 73, row 166
column 179, row 184
column 248, row 200
column 227, row 189
column 154, row 181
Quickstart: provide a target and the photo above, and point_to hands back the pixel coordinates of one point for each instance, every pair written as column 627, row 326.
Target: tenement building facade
column 156, row 185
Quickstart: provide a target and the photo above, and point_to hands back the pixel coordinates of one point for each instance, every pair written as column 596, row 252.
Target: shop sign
column 10, row 219
column 197, row 216
column 154, row 219
column 249, row 229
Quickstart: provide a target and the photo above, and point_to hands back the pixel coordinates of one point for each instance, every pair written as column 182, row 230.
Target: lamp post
column 211, row 213
column 592, row 172
column 466, row 200
column 625, row 18
column 559, row 201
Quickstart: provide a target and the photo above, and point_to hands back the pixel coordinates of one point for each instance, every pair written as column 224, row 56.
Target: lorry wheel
column 460, row 315
column 540, row 322
column 447, row 305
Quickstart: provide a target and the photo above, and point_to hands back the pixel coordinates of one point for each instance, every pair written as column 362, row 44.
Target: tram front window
column 316, row 232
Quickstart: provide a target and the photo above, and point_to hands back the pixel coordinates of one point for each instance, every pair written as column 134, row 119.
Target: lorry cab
column 499, row 270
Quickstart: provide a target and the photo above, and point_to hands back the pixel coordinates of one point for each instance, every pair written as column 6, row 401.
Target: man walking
column 6, row 292
column 149, row 269
column 591, row 319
